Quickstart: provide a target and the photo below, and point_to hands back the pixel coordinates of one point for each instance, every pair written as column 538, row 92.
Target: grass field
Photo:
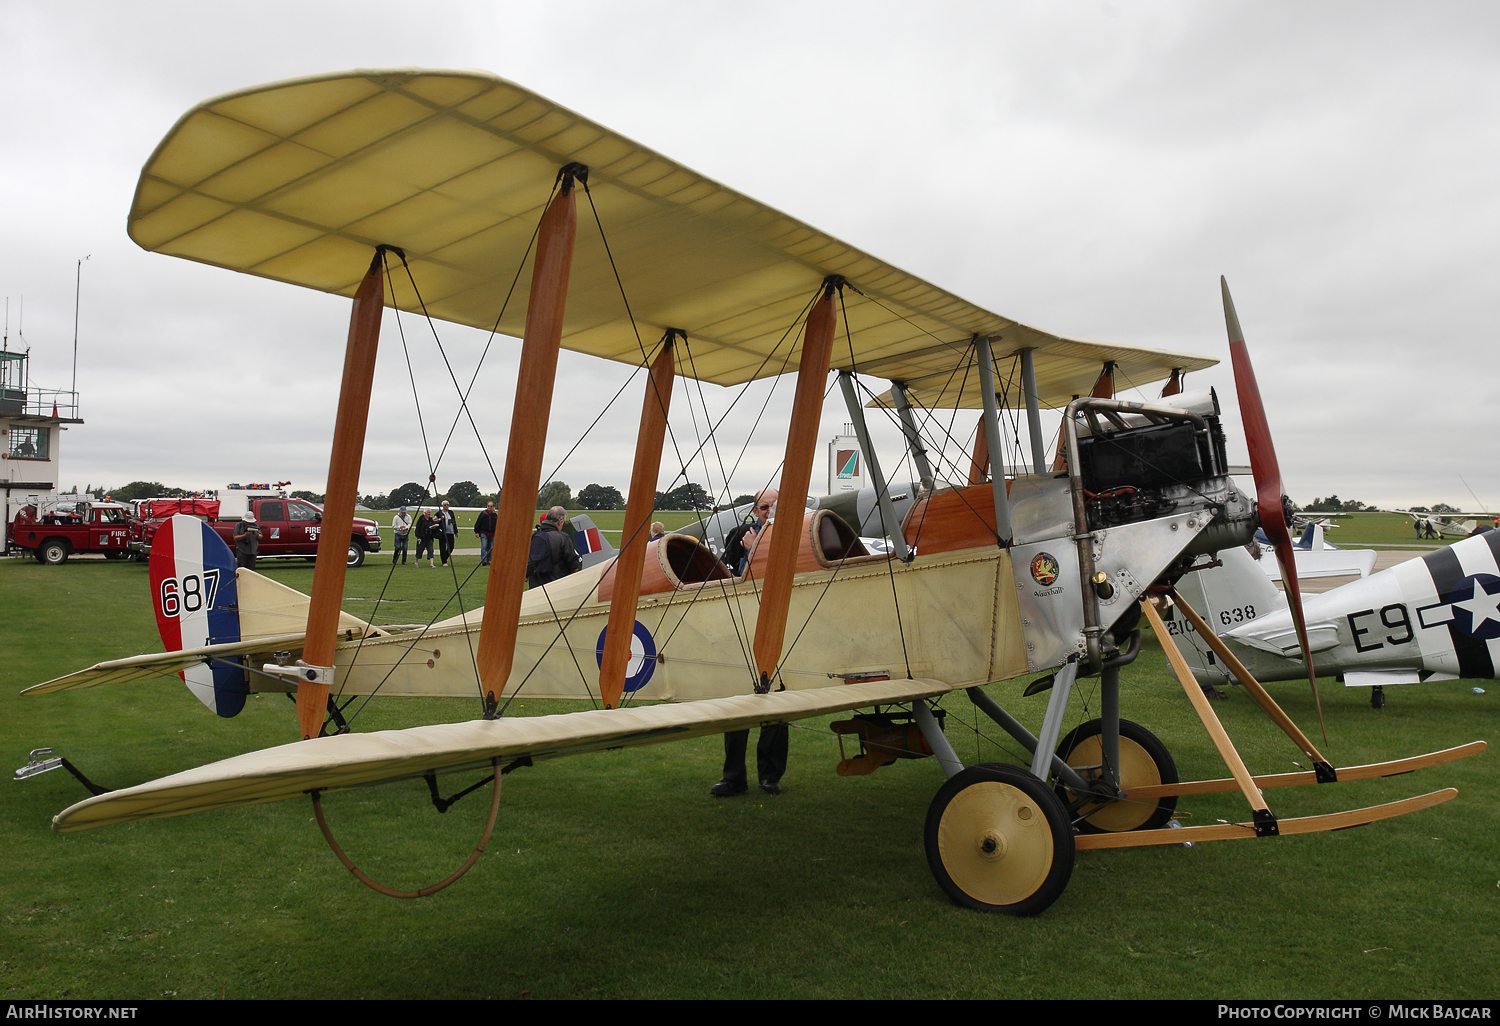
column 615, row 875
column 1373, row 530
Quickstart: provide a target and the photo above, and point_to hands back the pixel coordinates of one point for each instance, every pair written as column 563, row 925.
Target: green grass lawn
column 1372, row 530
column 616, row 875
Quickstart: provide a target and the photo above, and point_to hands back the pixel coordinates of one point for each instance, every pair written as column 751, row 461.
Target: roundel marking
column 642, row 662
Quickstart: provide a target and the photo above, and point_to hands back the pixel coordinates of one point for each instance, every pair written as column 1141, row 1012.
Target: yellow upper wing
column 297, row 181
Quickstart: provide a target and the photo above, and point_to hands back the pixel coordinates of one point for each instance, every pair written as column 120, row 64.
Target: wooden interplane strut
column 343, row 491
column 796, row 473
column 638, row 508
column 1250, row 684
column 1205, row 712
column 1104, row 388
column 528, row 437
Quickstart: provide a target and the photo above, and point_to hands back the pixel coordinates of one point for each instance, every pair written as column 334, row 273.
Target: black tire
column 53, row 552
column 1143, row 760
column 115, row 555
column 998, row 840
column 356, row 554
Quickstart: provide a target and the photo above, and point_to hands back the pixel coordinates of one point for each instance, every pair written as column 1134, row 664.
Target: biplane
column 465, row 183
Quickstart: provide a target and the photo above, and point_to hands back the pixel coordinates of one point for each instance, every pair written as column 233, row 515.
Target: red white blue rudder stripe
column 194, row 596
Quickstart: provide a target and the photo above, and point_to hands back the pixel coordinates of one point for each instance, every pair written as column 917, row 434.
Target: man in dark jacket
column 424, row 536
column 484, row 527
column 444, row 532
column 775, row 739
column 553, row 555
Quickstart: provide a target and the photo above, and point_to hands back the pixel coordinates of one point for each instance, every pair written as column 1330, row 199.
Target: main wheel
column 53, row 553
column 356, row 554
column 998, row 840
column 1143, row 760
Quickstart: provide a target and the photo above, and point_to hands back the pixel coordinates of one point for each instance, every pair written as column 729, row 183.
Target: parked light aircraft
column 327, row 181
column 1432, row 618
column 1316, row 557
column 1447, row 525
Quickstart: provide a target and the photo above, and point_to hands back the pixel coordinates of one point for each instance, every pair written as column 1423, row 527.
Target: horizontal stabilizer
column 353, row 760
column 162, row 664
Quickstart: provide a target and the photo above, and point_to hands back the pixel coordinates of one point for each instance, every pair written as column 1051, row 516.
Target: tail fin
column 592, row 546
column 196, row 603
column 1226, row 596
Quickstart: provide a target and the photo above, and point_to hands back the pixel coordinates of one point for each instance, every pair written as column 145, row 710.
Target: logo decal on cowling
column 1044, row 568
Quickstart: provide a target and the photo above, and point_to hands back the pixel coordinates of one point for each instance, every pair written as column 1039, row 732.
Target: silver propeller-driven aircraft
column 467, row 180
column 1434, row 617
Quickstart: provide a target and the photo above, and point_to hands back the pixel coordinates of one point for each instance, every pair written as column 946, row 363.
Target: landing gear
column 998, row 840
column 1143, row 760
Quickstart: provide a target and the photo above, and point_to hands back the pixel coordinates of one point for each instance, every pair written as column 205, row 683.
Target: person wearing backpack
column 553, row 555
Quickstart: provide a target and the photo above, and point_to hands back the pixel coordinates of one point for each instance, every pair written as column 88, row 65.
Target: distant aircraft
column 1316, row 558
column 1432, row 618
column 1447, row 525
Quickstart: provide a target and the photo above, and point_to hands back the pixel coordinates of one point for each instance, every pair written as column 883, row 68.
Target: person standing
column 246, row 541
column 775, row 739
column 484, row 527
column 424, row 536
column 741, row 539
column 401, row 527
column 658, row 530
column 445, row 529
column 553, row 555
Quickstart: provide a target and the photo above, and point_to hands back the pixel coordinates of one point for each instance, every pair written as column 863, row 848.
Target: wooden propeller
column 1269, row 494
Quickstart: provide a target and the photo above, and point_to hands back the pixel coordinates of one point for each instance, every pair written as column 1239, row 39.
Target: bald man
column 771, row 747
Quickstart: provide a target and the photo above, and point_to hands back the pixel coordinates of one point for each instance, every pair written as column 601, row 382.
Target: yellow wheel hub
column 1137, row 769
column 995, row 843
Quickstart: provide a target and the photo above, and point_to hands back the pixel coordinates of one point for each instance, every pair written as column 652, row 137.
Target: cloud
column 1089, row 168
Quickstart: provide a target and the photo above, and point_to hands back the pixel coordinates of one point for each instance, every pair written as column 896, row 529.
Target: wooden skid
column 1235, row 831
column 1370, row 771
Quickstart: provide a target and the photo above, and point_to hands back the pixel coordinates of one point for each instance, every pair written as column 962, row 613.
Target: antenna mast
column 77, row 291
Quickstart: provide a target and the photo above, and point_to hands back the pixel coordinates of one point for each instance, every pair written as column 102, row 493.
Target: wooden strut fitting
column 1104, row 388
column 1252, row 686
column 796, row 474
column 979, row 462
column 638, row 509
column 1205, row 712
column 343, row 488
column 528, row 435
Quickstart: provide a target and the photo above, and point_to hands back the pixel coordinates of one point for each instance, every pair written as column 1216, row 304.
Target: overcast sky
column 1090, row 168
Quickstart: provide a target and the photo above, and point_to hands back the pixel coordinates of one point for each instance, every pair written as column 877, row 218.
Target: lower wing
column 353, row 760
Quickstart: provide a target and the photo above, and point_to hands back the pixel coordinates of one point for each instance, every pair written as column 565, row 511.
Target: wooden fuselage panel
column 953, row 519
